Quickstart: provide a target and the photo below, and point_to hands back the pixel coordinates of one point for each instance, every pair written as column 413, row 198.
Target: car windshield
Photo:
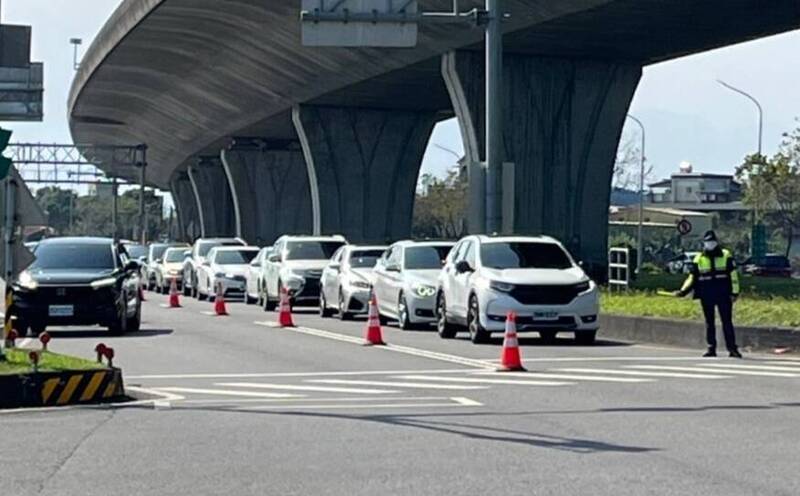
column 311, row 250
column 524, row 255
column 136, row 251
column 156, row 251
column 365, row 259
column 73, row 256
column 174, row 255
column 234, row 257
column 206, row 246
column 426, row 257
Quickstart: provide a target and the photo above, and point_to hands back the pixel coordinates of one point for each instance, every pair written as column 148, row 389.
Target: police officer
column 715, row 283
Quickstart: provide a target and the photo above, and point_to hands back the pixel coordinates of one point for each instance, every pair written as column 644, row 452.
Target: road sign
column 19, row 209
column 684, row 227
column 5, row 163
column 363, row 23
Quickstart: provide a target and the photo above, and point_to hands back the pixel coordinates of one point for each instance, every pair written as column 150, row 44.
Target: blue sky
column 688, row 116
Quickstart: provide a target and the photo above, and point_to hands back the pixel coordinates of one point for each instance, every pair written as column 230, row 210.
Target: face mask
column 709, row 245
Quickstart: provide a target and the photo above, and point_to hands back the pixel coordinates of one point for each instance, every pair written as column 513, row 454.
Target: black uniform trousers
column 724, row 304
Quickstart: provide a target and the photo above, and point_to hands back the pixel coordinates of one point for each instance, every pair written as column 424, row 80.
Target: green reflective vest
column 712, row 276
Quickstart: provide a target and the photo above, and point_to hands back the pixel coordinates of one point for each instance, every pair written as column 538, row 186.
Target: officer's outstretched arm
column 689, row 283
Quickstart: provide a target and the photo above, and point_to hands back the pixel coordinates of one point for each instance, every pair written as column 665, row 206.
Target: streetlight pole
column 494, row 117
column 639, row 246
column 75, row 42
column 758, row 106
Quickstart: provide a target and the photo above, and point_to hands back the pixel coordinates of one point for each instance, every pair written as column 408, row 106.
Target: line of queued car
column 469, row 285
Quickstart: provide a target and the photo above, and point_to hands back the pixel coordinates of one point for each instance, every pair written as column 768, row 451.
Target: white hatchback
column 485, row 277
column 225, row 265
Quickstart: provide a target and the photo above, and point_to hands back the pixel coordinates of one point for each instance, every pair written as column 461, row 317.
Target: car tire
column 37, row 329
column 134, row 323
column 324, row 311
column 445, row 329
column 343, row 313
column 187, row 290
column 121, row 325
column 477, row 333
column 269, row 305
column 548, row 336
column 585, row 338
column 403, row 319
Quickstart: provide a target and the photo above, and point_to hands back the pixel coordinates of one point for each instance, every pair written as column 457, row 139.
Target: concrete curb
column 691, row 334
column 60, row 388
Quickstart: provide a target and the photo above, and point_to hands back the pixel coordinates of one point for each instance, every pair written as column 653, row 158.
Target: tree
column 627, row 167
column 440, row 207
column 59, row 205
column 772, row 186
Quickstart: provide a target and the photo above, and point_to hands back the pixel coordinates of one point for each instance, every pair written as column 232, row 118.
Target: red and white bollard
column 34, row 358
column 45, row 338
column 109, row 353
column 100, row 349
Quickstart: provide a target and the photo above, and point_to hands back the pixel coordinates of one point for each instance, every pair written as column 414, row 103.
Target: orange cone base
column 511, row 361
column 374, row 341
column 518, row 368
column 219, row 307
column 285, row 320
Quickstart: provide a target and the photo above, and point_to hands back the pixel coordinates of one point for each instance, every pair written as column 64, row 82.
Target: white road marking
column 568, row 377
column 361, row 399
column 679, row 375
column 290, row 387
column 294, row 374
column 753, row 367
column 420, row 385
column 466, row 401
column 460, row 402
column 446, row 357
column 725, row 371
column 222, row 392
column 601, row 359
column 163, row 395
column 471, row 380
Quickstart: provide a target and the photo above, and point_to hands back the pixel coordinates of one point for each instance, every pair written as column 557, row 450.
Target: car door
column 273, row 269
column 330, row 276
column 461, row 280
column 378, row 287
column 447, row 277
column 393, row 282
column 253, row 268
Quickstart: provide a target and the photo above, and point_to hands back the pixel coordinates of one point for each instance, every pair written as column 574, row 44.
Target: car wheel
column 445, row 329
column 324, row 311
column 134, row 323
column 548, row 336
column 343, row 313
column 585, row 338
column 269, row 305
column 37, row 329
column 187, row 290
column 403, row 319
column 260, row 297
column 477, row 333
column 121, row 325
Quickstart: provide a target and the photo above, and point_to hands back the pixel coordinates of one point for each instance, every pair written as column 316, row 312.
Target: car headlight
column 582, row 287
column 503, row 287
column 229, row 275
column 104, row 283
column 423, row 290
column 26, row 281
column 174, row 272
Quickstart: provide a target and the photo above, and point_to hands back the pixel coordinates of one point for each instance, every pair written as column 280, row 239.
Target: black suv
column 78, row 281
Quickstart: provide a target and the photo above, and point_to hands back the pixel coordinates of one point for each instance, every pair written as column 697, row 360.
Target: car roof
column 366, row 247
column 483, row 238
column 302, row 237
column 89, row 240
column 236, row 248
column 218, row 240
column 411, row 242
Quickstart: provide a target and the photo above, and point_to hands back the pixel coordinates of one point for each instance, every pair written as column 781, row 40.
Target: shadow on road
column 103, row 333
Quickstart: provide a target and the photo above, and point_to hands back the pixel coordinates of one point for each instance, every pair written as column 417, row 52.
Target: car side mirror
column 206, row 264
column 158, row 260
column 463, row 267
column 335, row 266
column 392, row 268
column 274, row 258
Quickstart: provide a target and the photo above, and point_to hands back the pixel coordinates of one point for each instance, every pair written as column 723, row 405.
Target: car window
column 174, row 255
column 311, row 250
column 455, row 253
column 469, row 254
column 364, row 259
column 205, row 247
column 135, row 251
column 234, row 257
column 157, row 251
column 337, row 257
column 425, row 257
column 74, row 256
column 394, row 257
column 524, row 255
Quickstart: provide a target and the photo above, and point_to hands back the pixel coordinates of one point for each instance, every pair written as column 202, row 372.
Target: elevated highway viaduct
column 257, row 135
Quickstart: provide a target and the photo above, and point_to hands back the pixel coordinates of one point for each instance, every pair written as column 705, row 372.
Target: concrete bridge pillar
column 562, row 124
column 270, row 191
column 363, row 166
column 214, row 199
column 186, row 206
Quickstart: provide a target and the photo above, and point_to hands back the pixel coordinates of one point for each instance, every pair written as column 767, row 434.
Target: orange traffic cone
column 510, row 360
column 174, row 300
column 285, row 310
column 373, row 334
column 219, row 301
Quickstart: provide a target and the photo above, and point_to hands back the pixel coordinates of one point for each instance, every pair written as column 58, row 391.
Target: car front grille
column 544, row 294
column 66, row 294
column 311, row 288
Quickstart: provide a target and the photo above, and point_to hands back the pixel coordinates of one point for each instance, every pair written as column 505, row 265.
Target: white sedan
column 347, row 281
column 226, row 265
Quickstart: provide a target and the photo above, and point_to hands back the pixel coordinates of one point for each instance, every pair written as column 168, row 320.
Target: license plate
column 61, row 311
column 545, row 315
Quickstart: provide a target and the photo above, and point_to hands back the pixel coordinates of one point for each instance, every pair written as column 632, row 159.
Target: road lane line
column 222, row 392
column 678, row 375
column 568, row 377
column 753, row 367
column 290, row 387
column 600, row 359
column 361, row 399
column 472, row 380
column 433, row 355
column 725, row 371
column 294, row 374
column 420, row 385
column 452, row 403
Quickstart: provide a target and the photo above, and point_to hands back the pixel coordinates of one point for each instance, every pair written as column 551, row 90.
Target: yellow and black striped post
column 9, row 309
column 82, row 387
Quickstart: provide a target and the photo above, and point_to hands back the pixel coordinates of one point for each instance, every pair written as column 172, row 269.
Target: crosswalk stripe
column 567, row 377
column 420, row 385
column 677, row 375
column 471, row 380
column 292, row 387
column 221, row 392
column 704, row 369
column 753, row 367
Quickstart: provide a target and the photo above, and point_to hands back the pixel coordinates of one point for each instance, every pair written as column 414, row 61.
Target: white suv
column 405, row 281
column 296, row 263
column 485, row 277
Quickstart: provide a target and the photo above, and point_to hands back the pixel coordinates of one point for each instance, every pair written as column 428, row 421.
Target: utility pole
column 639, row 242
column 114, row 209
column 142, row 212
column 494, row 117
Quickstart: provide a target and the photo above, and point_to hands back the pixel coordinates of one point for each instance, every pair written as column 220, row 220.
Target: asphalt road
column 236, row 406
